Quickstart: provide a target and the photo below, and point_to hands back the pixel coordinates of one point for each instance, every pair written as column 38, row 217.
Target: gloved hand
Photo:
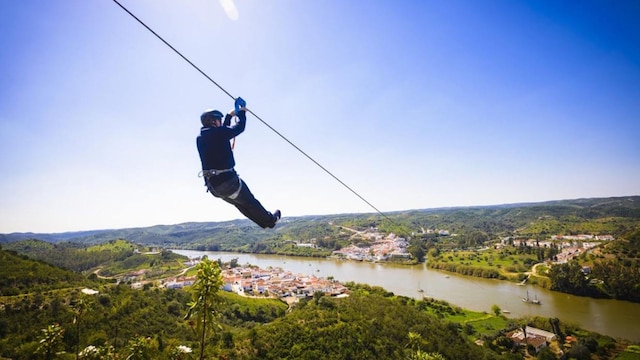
column 240, row 103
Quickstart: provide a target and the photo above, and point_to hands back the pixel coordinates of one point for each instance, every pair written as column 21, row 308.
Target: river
column 619, row 319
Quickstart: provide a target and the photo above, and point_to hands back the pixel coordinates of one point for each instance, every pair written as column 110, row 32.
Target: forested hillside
column 99, row 319
column 613, row 216
column 611, row 271
column 466, row 228
column 19, row 275
column 73, row 256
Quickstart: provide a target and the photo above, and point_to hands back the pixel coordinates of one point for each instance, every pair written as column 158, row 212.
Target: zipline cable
column 251, row 112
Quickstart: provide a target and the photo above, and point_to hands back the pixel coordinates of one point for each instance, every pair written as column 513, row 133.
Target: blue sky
column 413, row 104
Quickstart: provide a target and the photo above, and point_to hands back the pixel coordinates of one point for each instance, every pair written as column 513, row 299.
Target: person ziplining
column 216, row 156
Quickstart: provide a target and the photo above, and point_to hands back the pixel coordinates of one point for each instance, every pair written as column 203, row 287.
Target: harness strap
column 213, row 172
column 235, row 194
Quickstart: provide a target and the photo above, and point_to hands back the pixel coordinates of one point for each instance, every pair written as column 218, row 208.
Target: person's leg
column 250, row 207
column 236, row 192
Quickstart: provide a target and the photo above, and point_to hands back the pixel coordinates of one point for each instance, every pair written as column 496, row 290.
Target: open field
column 503, row 263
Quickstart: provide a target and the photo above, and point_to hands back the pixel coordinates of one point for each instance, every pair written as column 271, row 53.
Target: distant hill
column 616, row 215
column 112, row 258
column 19, row 275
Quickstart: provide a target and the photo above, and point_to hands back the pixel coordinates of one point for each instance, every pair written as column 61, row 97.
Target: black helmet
column 210, row 113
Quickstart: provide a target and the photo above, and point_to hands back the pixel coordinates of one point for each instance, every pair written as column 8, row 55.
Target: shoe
column 277, row 215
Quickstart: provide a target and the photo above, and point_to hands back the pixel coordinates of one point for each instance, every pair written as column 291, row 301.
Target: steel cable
column 251, row 112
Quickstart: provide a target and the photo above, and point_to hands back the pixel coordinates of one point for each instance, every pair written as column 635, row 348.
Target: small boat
column 530, row 300
column 506, row 312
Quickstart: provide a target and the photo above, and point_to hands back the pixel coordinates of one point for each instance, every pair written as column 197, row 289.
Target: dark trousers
column 244, row 200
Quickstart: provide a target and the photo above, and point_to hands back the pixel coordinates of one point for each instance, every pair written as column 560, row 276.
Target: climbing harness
column 212, row 172
column 237, row 103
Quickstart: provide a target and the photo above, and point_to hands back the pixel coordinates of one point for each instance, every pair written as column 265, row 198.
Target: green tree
column 415, row 342
column 496, row 309
column 139, row 349
column 51, row 341
column 80, row 306
column 555, row 326
column 546, row 354
column 569, row 278
column 579, row 352
column 205, row 298
column 417, row 251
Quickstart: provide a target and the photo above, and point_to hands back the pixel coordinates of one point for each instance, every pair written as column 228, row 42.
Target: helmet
column 209, row 113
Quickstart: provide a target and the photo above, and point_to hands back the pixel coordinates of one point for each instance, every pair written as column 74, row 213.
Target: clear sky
column 413, row 104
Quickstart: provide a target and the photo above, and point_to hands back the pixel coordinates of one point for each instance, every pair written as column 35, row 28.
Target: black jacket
column 213, row 143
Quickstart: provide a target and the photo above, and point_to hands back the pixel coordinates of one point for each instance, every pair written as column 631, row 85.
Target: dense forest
column 613, row 216
column 114, row 321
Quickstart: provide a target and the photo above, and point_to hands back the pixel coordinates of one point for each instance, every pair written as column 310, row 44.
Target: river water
column 619, row 319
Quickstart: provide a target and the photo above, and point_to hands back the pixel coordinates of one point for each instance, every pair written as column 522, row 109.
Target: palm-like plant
column 415, row 342
column 204, row 293
column 51, row 341
column 139, row 349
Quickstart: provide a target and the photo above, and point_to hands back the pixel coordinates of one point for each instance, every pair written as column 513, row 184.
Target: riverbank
column 611, row 317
